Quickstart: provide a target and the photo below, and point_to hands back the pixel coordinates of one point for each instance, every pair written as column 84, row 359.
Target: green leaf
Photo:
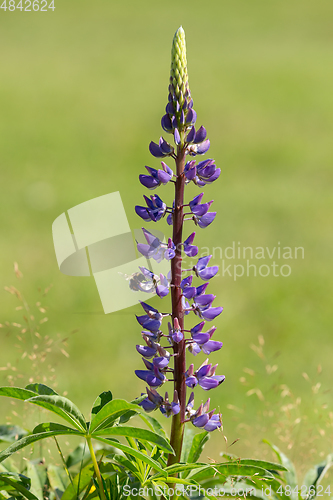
column 17, row 483
column 140, row 434
column 63, row 407
column 229, row 469
column 41, row 389
column 198, row 444
column 11, row 433
column 17, row 393
column 80, row 453
column 263, row 464
column 110, row 412
column 133, row 452
column 290, row 475
column 36, row 487
column 104, row 398
column 176, row 468
column 32, row 438
column 317, row 473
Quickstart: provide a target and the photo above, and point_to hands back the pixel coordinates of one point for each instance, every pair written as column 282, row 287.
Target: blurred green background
column 82, row 92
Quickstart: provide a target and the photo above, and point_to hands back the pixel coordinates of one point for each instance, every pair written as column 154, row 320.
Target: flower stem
column 177, row 427
column 96, row 468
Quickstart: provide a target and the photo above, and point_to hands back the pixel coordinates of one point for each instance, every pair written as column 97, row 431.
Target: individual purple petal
column 211, row 346
column 163, row 177
column 169, row 108
column 211, row 313
column 212, row 424
column 142, row 212
column 201, row 338
column 208, row 383
column 203, row 147
column 166, row 122
column 189, row 292
column 175, row 408
column 203, row 371
column 202, row 262
column 214, row 176
column 167, row 169
column 197, row 328
column 194, row 348
column 191, row 117
column 191, row 381
column 200, row 136
column 146, row 322
column 206, row 219
column 201, row 289
column 155, row 150
column 150, row 377
column 143, row 249
column 190, row 136
column 147, row 405
column 169, row 219
column 177, row 136
column 161, row 362
column 205, row 299
column 208, row 272
column 201, row 421
column 148, row 181
column 165, row 147
column 144, row 350
column 201, row 210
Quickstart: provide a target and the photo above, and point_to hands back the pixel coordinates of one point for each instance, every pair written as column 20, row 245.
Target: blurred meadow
column 82, row 92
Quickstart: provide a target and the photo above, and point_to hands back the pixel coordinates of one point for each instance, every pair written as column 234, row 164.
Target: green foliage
column 140, row 463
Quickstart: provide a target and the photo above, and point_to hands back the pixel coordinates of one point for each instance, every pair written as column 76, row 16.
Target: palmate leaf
column 63, row 407
column 133, row 452
column 110, row 412
column 46, row 398
column 104, row 398
column 134, row 432
column 42, row 431
column 16, row 482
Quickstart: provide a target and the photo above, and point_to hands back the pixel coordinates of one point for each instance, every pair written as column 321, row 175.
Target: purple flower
column 204, row 272
column 154, row 211
column 155, row 248
column 154, row 378
column 163, row 148
column 153, row 400
column 156, row 177
column 206, row 172
column 175, row 333
column 204, row 376
column 189, row 249
column 168, row 409
column 188, row 290
column 197, row 145
column 162, row 288
column 152, row 320
column 205, row 219
column 203, row 418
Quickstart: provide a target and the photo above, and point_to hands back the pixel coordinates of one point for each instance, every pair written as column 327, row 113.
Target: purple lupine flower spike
column 179, row 120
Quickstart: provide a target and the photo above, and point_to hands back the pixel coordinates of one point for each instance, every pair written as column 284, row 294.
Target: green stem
column 96, row 468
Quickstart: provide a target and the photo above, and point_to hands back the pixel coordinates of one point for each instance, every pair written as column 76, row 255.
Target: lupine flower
column 204, row 272
column 179, row 120
column 154, row 211
column 188, row 291
column 162, row 289
column 168, row 408
column 204, row 376
column 153, row 376
column 206, row 172
column 155, row 248
column 208, row 421
column 189, row 249
column 156, row 177
column 163, row 148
